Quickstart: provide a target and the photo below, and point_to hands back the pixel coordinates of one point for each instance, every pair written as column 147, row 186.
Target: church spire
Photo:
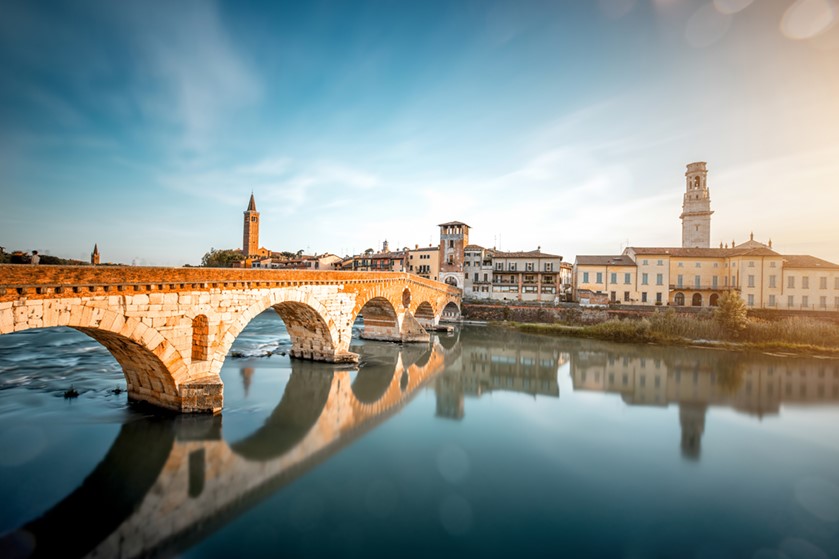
column 251, row 204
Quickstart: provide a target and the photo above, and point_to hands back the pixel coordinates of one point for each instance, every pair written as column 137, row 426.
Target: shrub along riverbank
column 790, row 335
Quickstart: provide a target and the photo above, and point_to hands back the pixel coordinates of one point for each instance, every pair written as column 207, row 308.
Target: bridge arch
column 153, row 368
column 451, row 311
column 425, row 314
column 305, row 318
column 380, row 319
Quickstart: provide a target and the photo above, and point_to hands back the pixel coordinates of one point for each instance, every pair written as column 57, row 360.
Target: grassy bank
column 791, row 335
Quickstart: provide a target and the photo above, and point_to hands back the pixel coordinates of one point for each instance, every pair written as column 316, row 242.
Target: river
column 487, row 442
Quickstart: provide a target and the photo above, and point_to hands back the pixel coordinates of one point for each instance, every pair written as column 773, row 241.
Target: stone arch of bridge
column 153, row 368
column 380, row 318
column 450, row 310
column 313, row 332
column 425, row 314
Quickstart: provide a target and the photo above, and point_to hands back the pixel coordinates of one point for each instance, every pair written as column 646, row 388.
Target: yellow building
column 698, row 276
column 425, row 262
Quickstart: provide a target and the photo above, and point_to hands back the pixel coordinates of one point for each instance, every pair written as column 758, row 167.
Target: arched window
column 714, row 299
column 680, row 299
column 697, row 300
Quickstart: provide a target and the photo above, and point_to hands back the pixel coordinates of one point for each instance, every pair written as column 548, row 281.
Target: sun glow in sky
column 144, row 126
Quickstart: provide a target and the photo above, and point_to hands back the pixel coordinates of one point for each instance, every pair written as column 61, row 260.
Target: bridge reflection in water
column 167, row 483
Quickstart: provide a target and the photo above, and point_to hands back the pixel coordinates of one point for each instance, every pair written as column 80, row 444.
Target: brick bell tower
column 696, row 208
column 454, row 236
column 250, row 238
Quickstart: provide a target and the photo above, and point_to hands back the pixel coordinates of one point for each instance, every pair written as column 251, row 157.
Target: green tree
column 731, row 314
column 221, row 258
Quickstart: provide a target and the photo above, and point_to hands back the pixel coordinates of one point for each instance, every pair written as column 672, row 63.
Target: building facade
column 424, row 262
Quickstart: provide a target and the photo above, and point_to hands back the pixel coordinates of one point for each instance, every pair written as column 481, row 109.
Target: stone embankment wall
column 572, row 313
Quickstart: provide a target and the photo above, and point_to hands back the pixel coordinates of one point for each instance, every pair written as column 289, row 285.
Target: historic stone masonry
column 171, row 328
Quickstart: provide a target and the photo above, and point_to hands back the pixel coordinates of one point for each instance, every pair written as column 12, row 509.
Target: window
column 614, row 277
column 823, row 302
column 714, row 282
column 751, row 300
column 512, row 266
column 660, row 263
column 805, row 282
column 680, row 280
column 836, row 283
column 771, row 300
column 599, row 277
column 658, row 297
column 644, row 262
column 836, row 302
column 626, row 296
column 528, row 266
column 476, row 276
column 823, row 283
column 696, row 281
column 681, row 264
column 751, row 280
column 643, row 296
column 500, row 266
column 644, row 279
column 772, row 264
column 790, row 282
column 698, row 264
column 451, row 244
column 585, row 277
column 627, row 279
column 805, row 301
column 751, row 263
column 549, row 267
column 771, row 282
column 485, row 277
column 790, row 301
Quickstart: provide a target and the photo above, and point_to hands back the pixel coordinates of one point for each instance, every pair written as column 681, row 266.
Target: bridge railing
column 17, row 280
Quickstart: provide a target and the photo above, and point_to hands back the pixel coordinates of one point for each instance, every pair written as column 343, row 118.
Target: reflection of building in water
column 697, row 379
column 247, row 378
column 489, row 363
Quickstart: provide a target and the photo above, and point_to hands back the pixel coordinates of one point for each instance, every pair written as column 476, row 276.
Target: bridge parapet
column 171, row 328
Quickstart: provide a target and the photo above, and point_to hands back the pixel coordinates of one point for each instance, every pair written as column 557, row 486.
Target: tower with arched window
column 696, row 208
column 454, row 236
column 250, row 240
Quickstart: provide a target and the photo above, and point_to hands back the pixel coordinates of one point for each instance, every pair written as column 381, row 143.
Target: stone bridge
column 166, row 483
column 170, row 329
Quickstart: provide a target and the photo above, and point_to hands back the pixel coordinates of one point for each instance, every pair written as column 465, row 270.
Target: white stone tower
column 696, row 209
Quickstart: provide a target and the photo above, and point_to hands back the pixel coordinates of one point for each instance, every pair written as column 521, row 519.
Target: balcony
column 702, row 287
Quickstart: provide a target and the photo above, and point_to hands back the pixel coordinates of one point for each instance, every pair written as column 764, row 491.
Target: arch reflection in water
column 168, row 483
column 696, row 379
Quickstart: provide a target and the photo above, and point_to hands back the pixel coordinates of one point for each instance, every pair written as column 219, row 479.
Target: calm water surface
column 485, row 443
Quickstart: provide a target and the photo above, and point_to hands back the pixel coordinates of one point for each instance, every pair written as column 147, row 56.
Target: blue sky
column 144, row 126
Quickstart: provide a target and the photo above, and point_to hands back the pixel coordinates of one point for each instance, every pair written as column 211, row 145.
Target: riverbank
column 795, row 336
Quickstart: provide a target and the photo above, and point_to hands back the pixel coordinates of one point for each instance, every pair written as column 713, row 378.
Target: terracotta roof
column 473, row 247
column 452, row 223
column 524, row 254
column 596, row 260
column 807, row 261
